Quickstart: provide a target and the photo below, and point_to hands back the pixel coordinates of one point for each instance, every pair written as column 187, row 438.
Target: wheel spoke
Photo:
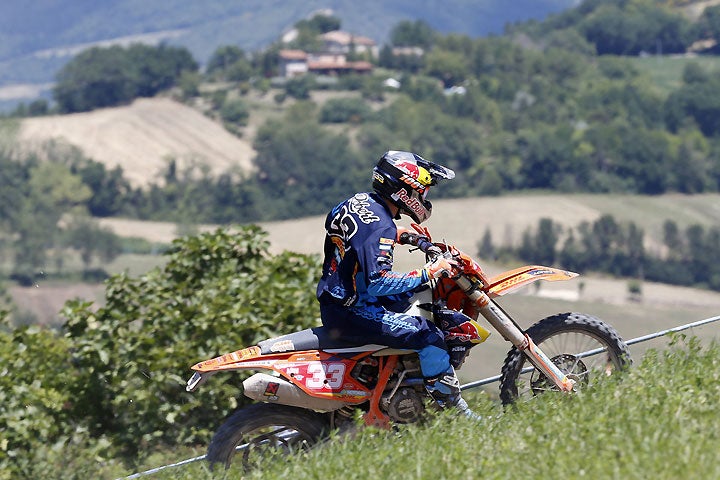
column 582, row 347
column 263, row 432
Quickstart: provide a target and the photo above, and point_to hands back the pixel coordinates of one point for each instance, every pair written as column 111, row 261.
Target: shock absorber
column 514, row 334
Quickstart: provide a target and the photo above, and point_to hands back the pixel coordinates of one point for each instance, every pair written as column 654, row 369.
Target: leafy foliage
column 345, row 110
column 413, row 34
column 92, row 241
column 218, row 292
column 297, row 160
column 40, row 416
column 109, row 76
column 113, row 380
column 606, row 245
column 698, row 99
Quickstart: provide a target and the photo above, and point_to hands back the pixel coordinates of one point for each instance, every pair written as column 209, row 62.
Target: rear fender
column 520, row 277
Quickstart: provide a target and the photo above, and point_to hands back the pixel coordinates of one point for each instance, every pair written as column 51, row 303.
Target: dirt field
column 142, row 137
column 463, row 222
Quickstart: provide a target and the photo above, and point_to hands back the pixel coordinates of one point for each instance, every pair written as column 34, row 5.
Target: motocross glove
column 442, row 267
column 407, row 237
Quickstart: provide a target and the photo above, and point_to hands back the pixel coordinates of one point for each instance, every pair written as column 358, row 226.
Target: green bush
column 113, row 382
column 218, row 292
column 40, row 416
column 235, row 111
column 341, row 110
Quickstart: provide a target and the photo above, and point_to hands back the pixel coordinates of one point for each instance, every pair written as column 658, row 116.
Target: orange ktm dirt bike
column 313, row 382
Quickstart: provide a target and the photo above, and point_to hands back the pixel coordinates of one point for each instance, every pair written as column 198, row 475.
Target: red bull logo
column 412, row 203
column 411, row 169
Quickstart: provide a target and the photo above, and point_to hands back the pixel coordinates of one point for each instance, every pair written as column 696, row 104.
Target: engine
column 405, row 406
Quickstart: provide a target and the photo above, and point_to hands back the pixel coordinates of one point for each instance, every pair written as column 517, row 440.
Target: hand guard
column 442, row 267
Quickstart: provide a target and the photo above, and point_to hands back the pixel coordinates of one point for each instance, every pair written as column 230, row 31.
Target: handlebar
column 421, row 242
column 433, row 251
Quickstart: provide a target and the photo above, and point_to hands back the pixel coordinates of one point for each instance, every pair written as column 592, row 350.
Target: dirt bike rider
column 361, row 297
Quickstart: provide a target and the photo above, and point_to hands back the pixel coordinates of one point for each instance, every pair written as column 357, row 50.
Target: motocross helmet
column 404, row 178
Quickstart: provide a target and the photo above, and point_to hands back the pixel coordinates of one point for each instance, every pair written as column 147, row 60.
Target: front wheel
column 582, row 346
column 263, row 431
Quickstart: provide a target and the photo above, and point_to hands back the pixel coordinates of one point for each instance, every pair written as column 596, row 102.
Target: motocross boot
column 445, row 390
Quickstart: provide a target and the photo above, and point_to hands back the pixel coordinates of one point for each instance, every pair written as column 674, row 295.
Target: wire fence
column 644, row 338
column 475, row 384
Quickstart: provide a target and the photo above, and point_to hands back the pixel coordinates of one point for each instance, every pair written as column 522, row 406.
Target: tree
column 698, row 100
column 40, row 416
column 230, row 63
column 672, row 239
column 449, row 67
column 491, row 182
column 634, row 262
column 109, row 76
column 412, row 34
column 154, row 69
column 486, row 248
column 300, row 87
column 223, row 57
column 708, row 25
column 14, row 177
column 296, row 159
column 341, row 110
column 571, row 255
column 629, row 28
column 52, row 191
column 549, row 159
column 92, row 241
column 235, row 111
column 95, row 78
column 546, row 240
column 109, row 189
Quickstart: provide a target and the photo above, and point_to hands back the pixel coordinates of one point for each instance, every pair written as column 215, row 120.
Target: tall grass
column 666, row 71
column 660, row 420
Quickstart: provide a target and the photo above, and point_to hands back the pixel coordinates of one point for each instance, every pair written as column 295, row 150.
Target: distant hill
column 142, row 138
column 38, row 37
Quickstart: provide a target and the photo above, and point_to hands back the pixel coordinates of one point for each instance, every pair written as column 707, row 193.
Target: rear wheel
column 263, row 431
column 583, row 347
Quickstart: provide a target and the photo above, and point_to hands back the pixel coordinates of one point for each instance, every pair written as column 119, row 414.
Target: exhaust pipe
column 270, row 389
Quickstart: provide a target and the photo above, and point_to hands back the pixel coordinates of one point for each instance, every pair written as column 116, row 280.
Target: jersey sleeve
column 377, row 264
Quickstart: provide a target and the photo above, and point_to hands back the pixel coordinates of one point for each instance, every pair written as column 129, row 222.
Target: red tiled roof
column 346, row 38
column 340, row 66
column 362, row 65
column 293, row 55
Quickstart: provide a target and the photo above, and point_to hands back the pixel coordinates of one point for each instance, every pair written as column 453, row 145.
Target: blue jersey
column 359, row 242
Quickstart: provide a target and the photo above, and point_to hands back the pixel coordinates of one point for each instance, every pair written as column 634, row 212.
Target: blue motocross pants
column 375, row 324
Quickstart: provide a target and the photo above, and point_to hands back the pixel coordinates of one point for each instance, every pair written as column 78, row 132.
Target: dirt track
column 142, row 137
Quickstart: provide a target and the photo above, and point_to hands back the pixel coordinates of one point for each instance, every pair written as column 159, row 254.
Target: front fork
column 512, row 333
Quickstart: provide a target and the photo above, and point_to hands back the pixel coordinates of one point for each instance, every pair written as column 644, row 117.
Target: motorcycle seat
column 318, row 338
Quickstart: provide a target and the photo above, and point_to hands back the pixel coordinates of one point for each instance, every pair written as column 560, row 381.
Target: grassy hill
column 658, row 421
column 666, row 71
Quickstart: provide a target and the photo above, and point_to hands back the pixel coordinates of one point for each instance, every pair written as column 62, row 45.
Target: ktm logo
column 413, row 183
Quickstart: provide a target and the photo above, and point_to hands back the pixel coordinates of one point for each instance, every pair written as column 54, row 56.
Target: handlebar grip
column 420, row 241
column 424, row 244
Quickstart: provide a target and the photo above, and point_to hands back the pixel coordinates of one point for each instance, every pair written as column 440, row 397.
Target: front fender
column 520, row 277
